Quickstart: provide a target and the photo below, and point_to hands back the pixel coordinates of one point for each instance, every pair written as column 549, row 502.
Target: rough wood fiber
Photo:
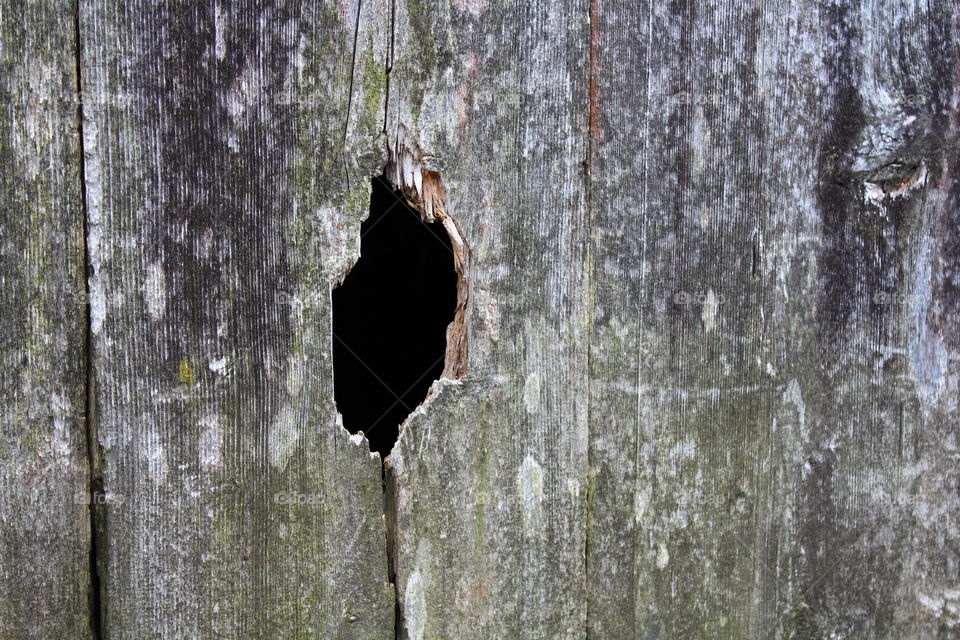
column 773, row 363
column 228, row 155
column 487, row 481
column 44, row 517
column 711, row 309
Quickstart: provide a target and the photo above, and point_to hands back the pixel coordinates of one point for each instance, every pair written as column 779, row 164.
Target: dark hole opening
column 390, row 318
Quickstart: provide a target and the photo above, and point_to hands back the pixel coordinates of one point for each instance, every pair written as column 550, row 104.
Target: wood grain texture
column 773, row 364
column 710, row 386
column 44, row 514
column 229, row 151
column 488, row 479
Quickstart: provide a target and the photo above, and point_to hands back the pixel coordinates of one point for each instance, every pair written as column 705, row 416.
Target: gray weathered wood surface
column 489, row 484
column 774, row 367
column 227, row 164
column 44, row 515
column 713, row 298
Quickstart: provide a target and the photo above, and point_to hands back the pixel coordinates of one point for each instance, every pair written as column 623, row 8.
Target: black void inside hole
column 390, row 318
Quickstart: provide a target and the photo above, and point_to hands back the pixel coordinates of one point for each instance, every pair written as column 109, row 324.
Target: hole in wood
column 390, row 318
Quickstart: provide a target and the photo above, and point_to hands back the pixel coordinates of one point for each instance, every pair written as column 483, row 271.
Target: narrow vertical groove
column 95, row 489
column 389, row 478
column 389, row 65
column 593, row 136
column 390, row 530
column 353, row 70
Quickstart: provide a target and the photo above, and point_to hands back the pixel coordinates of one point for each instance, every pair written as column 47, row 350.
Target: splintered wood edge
column 425, row 192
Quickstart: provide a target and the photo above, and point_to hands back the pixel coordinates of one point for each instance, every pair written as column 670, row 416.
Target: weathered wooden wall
column 713, row 298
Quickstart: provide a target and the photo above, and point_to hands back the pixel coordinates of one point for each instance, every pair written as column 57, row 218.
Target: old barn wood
column 703, row 381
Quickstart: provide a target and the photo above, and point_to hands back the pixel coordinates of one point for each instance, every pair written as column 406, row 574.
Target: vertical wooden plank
column 772, row 192
column 226, row 147
column 678, row 418
column 488, row 476
column 44, row 514
column 879, row 537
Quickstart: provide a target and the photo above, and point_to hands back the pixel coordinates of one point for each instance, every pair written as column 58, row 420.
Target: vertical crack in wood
column 388, row 478
column 593, row 137
column 390, row 532
column 389, row 64
column 95, row 490
column 426, row 193
column 353, row 71
column 593, row 61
